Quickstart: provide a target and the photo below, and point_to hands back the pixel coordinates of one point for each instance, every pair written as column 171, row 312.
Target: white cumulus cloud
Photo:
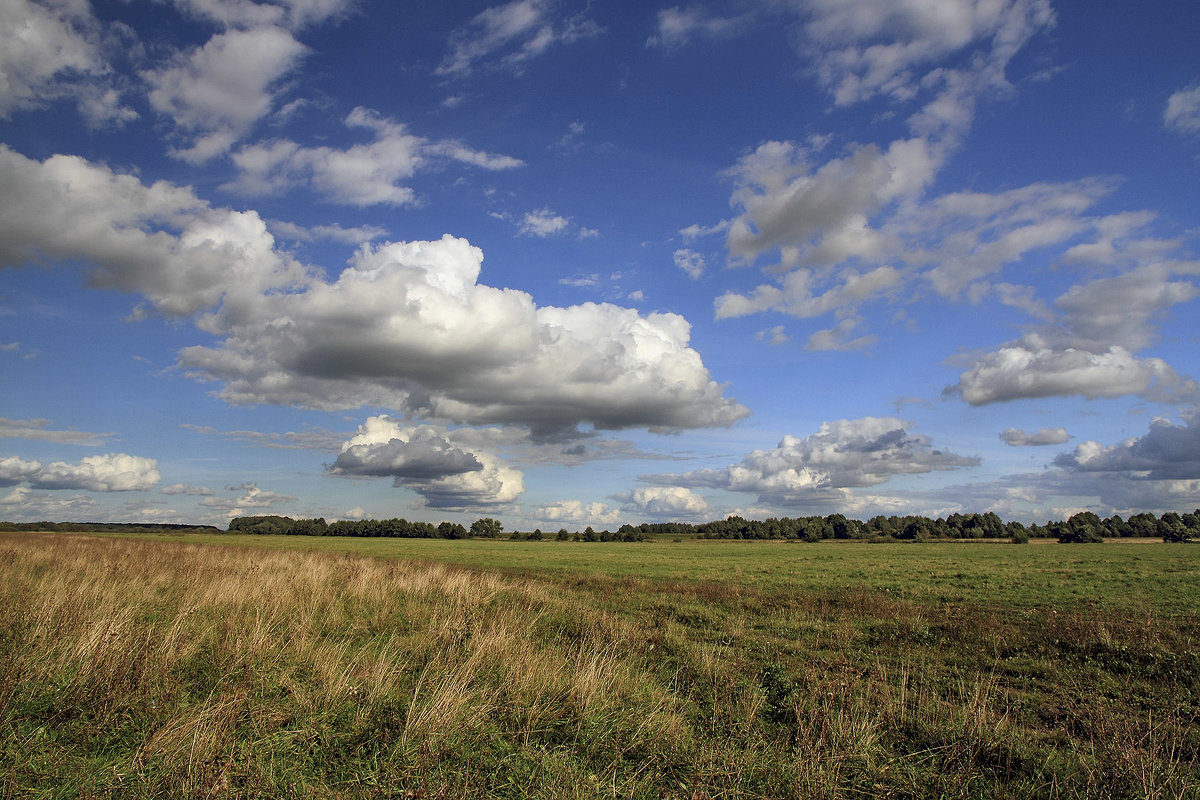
column 672, row 502
column 409, row 327
column 841, row 455
column 160, row 241
column 1092, row 350
column 577, row 513
column 112, row 472
column 445, row 472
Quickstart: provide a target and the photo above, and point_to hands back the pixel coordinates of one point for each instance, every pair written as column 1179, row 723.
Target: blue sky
column 568, row 264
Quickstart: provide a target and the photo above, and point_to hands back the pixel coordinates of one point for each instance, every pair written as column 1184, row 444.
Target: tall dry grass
column 198, row 670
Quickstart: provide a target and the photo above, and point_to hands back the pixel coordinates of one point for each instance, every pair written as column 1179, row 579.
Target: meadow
column 263, row 666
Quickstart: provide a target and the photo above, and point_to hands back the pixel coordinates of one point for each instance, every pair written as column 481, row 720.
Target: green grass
column 1120, row 574
column 220, row 666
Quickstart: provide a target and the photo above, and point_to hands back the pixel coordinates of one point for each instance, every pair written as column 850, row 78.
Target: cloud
column 841, row 455
column 694, row 232
column 432, row 463
column 510, row 35
column 1014, row 437
column 1119, row 241
column 22, row 503
column 817, row 214
column 113, row 472
column 1090, row 352
column 775, row 336
column 57, row 50
column 664, row 502
column 574, row 512
column 253, row 499
column 291, row 440
column 838, row 337
column 160, row 241
column 1029, row 368
column 569, row 142
column 332, row 232
column 965, row 236
column 1154, row 473
column 360, row 175
column 1168, row 452
column 543, row 224
column 855, row 227
column 691, row 262
column 423, row 455
column 292, row 14
column 862, row 48
column 951, row 242
column 801, row 293
column 185, row 489
column 677, row 26
column 1121, row 309
column 1183, row 111
column 215, row 93
column 408, row 327
column 36, row 429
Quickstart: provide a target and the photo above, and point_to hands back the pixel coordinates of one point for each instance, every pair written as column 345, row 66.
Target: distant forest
column 1083, row 527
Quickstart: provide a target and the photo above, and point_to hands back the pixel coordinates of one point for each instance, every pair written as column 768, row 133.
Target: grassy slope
column 130, row 667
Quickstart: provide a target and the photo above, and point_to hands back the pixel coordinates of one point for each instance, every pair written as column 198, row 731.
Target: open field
column 1119, row 574
column 223, row 666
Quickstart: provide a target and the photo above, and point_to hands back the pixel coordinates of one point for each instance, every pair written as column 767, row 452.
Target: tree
column 451, row 530
column 1143, row 524
column 916, row 530
column 1084, row 527
column 843, row 528
column 1173, row 528
column 486, row 527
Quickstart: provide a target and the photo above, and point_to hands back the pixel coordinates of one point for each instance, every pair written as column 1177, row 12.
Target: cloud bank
column 821, row 467
column 113, row 472
column 407, row 326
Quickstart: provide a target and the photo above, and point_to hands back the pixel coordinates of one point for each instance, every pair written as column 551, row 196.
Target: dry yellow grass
column 204, row 647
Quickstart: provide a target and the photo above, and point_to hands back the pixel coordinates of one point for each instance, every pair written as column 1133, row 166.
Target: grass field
column 223, row 666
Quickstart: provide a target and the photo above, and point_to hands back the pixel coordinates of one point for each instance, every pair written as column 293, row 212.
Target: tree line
column 483, row 528
column 1085, row 526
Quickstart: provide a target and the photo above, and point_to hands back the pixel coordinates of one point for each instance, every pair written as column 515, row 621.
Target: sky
column 567, row 263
